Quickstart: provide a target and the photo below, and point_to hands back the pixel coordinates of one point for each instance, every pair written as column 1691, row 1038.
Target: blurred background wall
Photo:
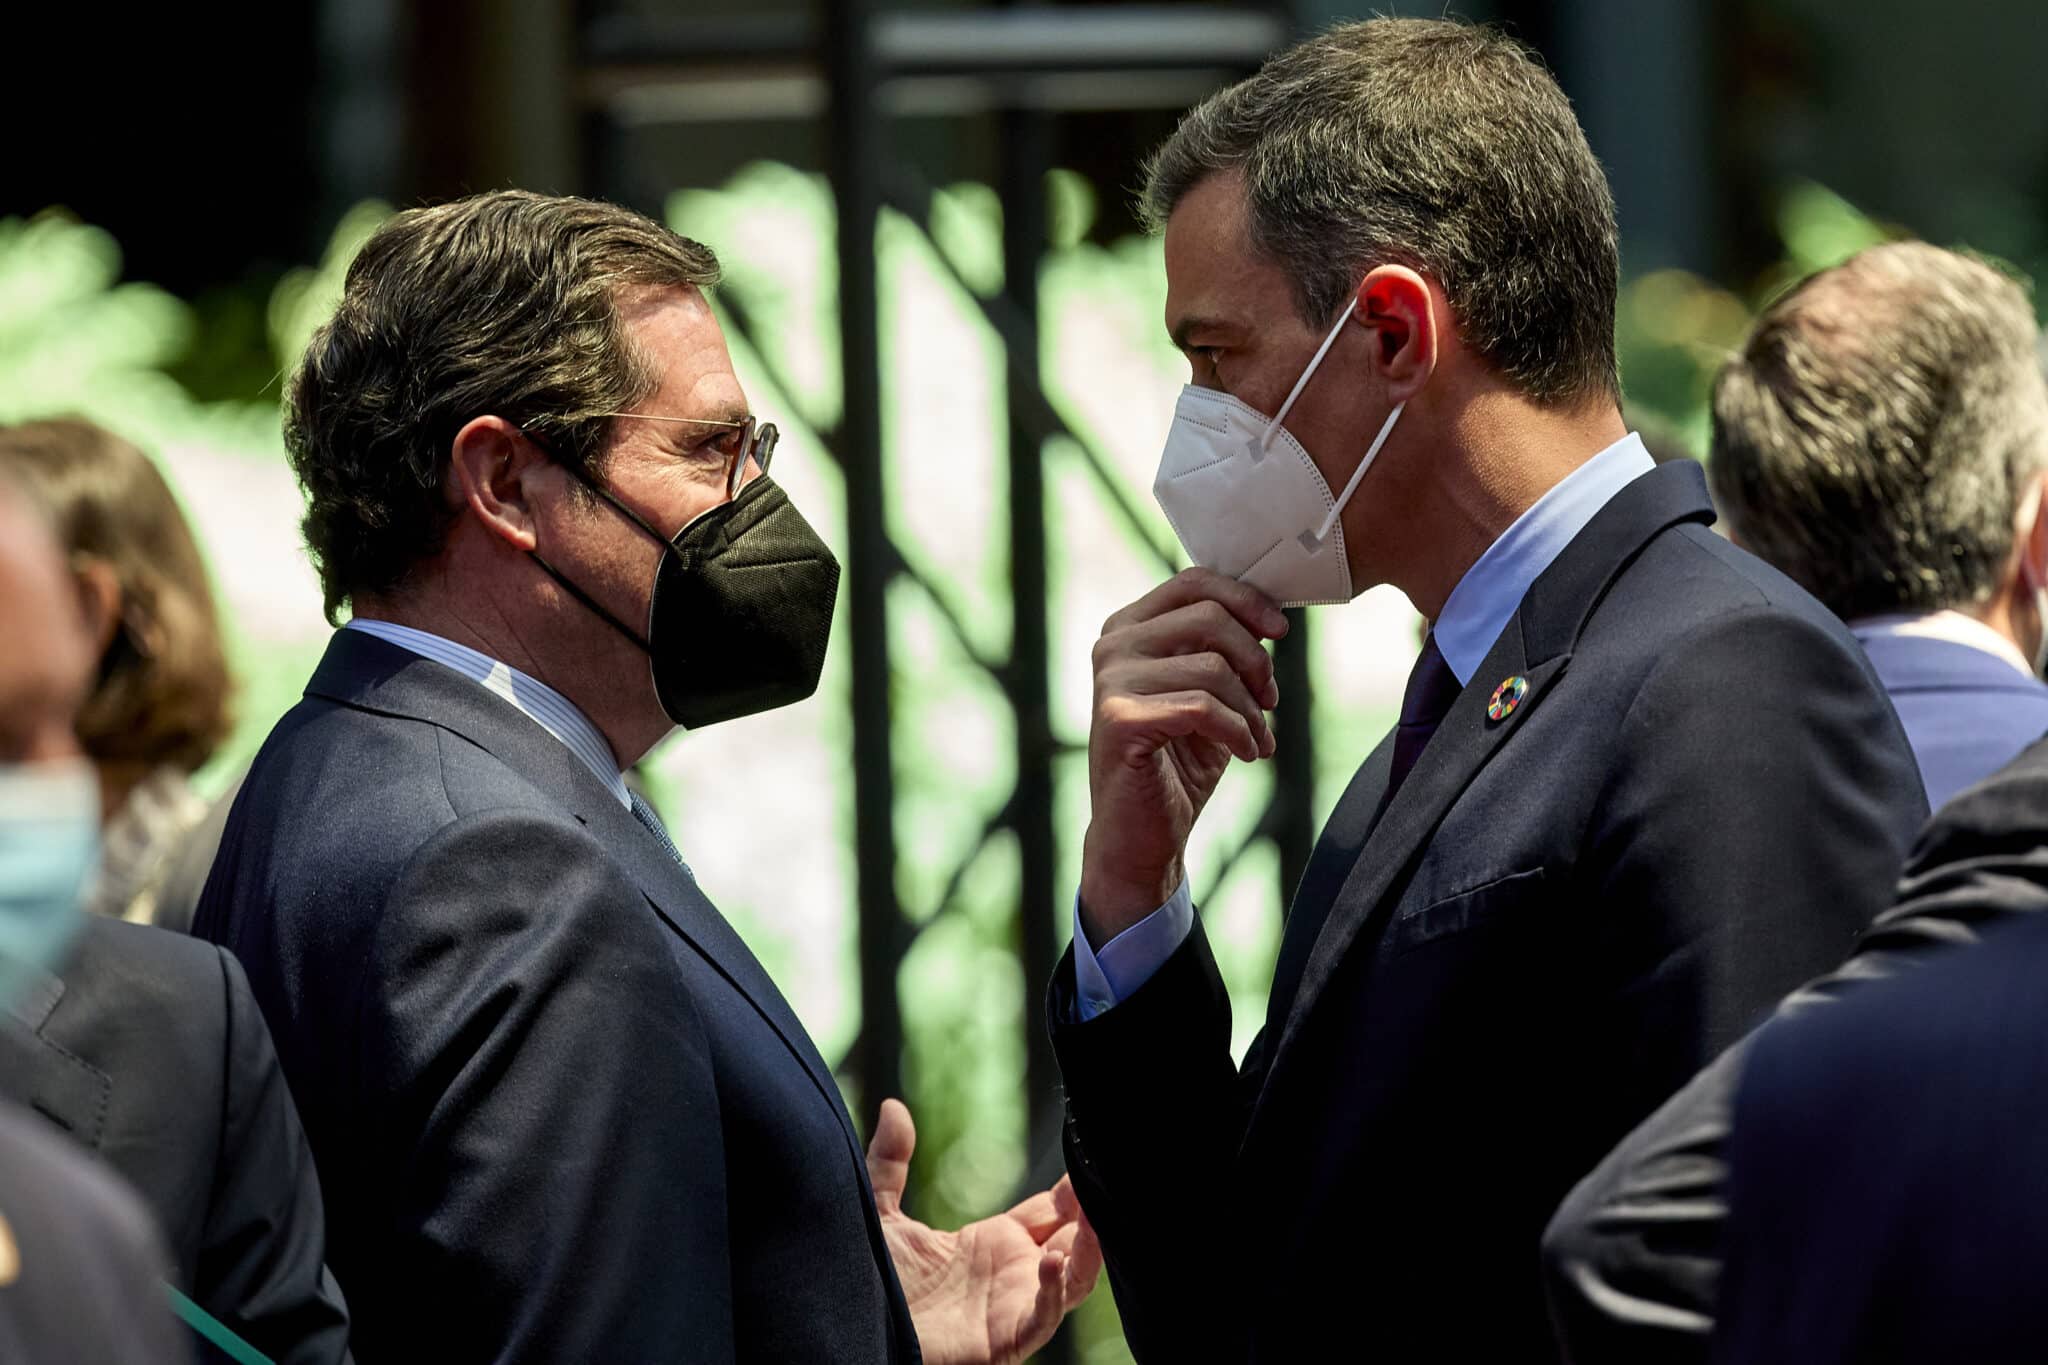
column 936, row 287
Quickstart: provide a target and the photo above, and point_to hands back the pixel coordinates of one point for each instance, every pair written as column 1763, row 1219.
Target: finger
column 1194, row 629
column 1084, row 1263
column 1258, row 612
column 889, row 1154
column 1209, row 673
column 1142, row 725
column 1040, row 1215
column 1064, row 1199
column 1051, row 1304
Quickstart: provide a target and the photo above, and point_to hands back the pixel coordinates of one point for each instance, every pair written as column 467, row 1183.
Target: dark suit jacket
column 1557, row 920
column 149, row 1051
column 81, row 1270
column 561, row 1113
column 1888, row 1202
column 1633, row 1257
column 1967, row 712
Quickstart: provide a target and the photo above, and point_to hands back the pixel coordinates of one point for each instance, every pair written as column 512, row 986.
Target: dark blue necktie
column 1432, row 687
column 644, row 812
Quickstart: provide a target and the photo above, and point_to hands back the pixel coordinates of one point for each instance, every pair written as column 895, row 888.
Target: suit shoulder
column 1692, row 592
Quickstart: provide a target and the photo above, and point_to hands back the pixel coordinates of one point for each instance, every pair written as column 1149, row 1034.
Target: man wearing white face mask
column 1641, row 786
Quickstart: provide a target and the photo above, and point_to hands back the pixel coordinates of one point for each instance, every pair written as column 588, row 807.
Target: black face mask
column 742, row 606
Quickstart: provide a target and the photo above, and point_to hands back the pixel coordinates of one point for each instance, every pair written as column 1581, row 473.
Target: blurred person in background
column 1882, row 438
column 81, row 1266
column 142, row 1045
column 1641, row 786
column 561, row 1111
column 161, row 690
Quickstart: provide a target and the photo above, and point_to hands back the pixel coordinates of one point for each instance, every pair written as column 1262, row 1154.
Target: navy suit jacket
column 560, row 1112
column 1558, row 918
column 1967, row 713
column 1888, row 1203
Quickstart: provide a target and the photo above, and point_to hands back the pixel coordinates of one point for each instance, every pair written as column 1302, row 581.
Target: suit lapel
column 370, row 674
column 67, row 1090
column 1536, row 646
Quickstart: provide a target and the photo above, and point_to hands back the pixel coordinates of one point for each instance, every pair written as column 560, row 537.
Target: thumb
column 889, row 1155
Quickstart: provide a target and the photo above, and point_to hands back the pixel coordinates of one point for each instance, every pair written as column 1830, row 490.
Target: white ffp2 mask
column 1247, row 501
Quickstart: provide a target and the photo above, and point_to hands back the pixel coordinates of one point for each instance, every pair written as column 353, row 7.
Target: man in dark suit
column 1882, row 437
column 1899, row 390
column 1642, row 784
column 561, row 1113
column 1887, row 1199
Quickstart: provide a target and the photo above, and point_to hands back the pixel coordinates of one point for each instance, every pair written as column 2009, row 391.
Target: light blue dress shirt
column 1474, row 615
column 538, row 702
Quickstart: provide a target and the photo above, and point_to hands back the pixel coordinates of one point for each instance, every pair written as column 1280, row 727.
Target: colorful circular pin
column 1507, row 697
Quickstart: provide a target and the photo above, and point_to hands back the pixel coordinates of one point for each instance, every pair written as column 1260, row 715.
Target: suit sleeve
column 556, row 1157
column 1153, row 1115
column 262, row 1267
column 1632, row 1258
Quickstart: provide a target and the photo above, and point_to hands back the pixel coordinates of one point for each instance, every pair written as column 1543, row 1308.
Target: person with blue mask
column 1641, row 786
column 81, row 1266
column 141, row 1046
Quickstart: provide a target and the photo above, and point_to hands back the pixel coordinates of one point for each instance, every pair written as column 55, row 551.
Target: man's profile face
column 669, row 472
column 46, row 664
column 1232, row 313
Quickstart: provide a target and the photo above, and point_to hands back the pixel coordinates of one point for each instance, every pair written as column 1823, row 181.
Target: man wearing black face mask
column 559, row 1110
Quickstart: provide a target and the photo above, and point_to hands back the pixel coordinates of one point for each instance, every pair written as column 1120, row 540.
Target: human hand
column 1182, row 683
column 996, row 1290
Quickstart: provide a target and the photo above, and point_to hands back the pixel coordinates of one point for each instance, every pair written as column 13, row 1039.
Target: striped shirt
column 538, row 702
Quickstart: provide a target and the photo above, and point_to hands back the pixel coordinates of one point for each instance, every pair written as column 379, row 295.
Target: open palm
column 995, row 1290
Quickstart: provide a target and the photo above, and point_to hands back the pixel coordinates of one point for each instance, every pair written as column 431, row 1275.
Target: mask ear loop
column 1265, row 438
column 1312, row 541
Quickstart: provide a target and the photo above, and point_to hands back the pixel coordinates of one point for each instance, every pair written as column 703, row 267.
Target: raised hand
column 1182, row 683
column 996, row 1290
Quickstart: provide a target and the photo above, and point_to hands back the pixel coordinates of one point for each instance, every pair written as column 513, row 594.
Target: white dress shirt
column 1474, row 615
column 538, row 702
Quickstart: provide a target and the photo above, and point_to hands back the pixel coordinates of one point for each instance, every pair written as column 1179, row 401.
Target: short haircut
column 507, row 304
column 1877, row 432
column 1434, row 144
column 162, row 697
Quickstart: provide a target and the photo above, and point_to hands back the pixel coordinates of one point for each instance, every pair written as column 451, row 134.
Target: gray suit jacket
column 81, row 1272
column 150, row 1052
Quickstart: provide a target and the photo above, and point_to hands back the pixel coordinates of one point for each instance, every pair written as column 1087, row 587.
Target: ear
column 1398, row 307
column 99, row 595
column 2034, row 544
column 495, row 472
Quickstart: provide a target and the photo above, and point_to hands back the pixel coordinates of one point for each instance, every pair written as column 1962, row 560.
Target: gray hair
column 1434, row 144
column 1876, row 434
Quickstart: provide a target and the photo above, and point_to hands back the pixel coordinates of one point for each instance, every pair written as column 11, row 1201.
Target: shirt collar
column 1487, row 597
column 1958, row 628
column 534, row 699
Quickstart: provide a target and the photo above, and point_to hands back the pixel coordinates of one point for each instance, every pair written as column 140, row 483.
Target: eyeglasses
column 750, row 440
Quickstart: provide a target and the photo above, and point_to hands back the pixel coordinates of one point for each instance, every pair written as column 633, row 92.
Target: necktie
column 1432, row 687
column 644, row 812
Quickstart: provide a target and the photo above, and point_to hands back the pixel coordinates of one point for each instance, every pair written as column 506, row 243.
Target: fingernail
column 1270, row 698
column 1276, row 623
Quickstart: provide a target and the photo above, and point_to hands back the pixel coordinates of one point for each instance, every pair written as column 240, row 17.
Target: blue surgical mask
column 49, row 848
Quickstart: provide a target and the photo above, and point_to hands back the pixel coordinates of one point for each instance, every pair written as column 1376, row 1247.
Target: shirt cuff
column 1128, row 961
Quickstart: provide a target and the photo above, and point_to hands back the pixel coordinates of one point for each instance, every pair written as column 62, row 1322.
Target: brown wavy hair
column 163, row 695
column 506, row 303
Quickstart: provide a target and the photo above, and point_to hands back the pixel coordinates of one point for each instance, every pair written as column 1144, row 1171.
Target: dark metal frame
column 1025, row 63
